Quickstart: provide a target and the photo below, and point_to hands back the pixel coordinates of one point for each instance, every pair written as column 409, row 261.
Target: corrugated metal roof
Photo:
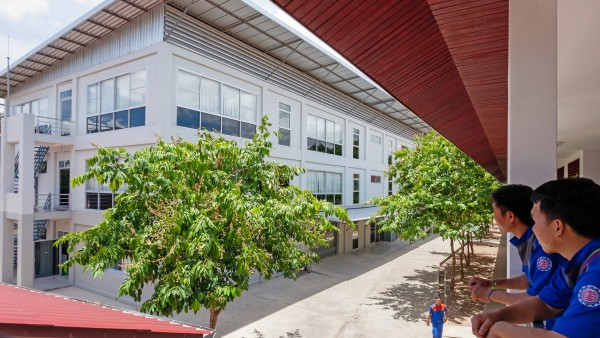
column 98, row 22
column 20, row 306
column 239, row 20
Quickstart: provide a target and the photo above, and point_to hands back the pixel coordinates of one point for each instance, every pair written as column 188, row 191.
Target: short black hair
column 575, row 201
column 515, row 198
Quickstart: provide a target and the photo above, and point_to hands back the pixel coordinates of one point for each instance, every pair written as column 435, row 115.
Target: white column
column 532, row 91
column 7, row 161
column 25, row 263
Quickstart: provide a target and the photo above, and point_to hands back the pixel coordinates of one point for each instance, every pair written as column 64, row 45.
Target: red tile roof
column 24, row 310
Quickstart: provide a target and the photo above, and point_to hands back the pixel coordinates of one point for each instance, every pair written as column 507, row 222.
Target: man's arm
column 507, row 330
column 486, row 295
column 428, row 318
column 516, row 283
column 522, row 312
column 446, row 316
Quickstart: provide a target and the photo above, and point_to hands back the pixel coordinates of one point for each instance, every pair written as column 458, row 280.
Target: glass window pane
column 284, row 140
column 321, row 181
column 137, row 97
column 329, row 131
column 375, row 139
column 355, row 197
column 107, row 96
column 231, row 102
column 35, row 107
column 311, row 144
column 356, row 185
column 284, row 119
column 106, row 201
column 231, row 127
column 248, row 130
column 330, row 148
column 338, row 134
column 92, row 124
column 106, row 122
column 210, row 96
column 137, row 117
column 285, row 107
column 337, row 200
column 356, row 139
column 91, row 200
column 321, row 146
column 138, row 79
column 17, row 110
column 248, row 104
column 122, row 119
column 211, row 122
column 123, row 89
column 188, row 90
column 311, row 126
column 330, row 198
column 188, row 118
column 338, row 149
column 65, row 110
column 355, row 152
column 329, row 178
column 26, row 108
column 91, row 185
column 320, row 128
column 312, row 183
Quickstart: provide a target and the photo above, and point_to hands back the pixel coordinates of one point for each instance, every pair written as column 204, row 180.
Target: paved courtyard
column 383, row 291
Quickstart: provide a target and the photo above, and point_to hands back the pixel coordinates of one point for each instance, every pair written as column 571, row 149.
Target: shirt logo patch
column 544, row 263
column 589, row 295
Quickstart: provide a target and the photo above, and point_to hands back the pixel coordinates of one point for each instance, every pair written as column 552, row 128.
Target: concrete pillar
column 7, row 160
column 532, row 91
column 25, row 257
column 590, row 164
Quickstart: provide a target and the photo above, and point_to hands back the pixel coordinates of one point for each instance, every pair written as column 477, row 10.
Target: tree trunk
column 469, row 250
column 453, row 272
column 462, row 254
column 214, row 314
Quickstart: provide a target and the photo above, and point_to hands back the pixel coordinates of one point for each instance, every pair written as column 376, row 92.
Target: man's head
column 512, row 202
column 573, row 201
column 438, row 301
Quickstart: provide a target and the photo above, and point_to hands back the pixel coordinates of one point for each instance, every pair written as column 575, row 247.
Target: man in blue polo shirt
column 438, row 315
column 566, row 214
column 512, row 212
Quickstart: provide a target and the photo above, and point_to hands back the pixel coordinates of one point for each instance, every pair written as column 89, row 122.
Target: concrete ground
column 382, row 291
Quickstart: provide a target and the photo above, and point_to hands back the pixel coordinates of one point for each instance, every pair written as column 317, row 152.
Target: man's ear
column 511, row 216
column 559, row 227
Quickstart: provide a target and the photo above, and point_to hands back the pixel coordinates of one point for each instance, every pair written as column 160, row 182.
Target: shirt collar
column 526, row 235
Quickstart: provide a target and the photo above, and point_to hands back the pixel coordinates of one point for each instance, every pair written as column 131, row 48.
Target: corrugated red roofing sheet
column 25, row 307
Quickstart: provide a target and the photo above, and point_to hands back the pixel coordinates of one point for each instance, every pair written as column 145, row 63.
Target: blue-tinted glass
column 248, row 130
column 122, row 119
column 66, row 93
column 311, row 144
column 211, row 122
column 106, row 122
column 231, row 127
column 65, row 110
column 188, row 118
column 284, row 139
column 137, row 117
column 92, row 124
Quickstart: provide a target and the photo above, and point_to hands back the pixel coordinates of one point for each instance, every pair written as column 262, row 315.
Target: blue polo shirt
column 579, row 294
column 538, row 266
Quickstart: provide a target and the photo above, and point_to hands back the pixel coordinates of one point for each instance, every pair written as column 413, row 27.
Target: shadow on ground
column 410, row 300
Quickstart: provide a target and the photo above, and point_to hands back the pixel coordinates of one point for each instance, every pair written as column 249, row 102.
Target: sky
column 31, row 22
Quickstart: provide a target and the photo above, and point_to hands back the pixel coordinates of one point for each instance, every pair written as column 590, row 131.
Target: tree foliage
column 439, row 187
column 197, row 219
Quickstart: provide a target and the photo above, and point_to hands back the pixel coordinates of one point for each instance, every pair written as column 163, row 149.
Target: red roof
column 30, row 312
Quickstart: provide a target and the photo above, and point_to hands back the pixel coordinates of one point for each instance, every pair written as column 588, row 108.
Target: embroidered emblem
column 544, row 263
column 589, row 295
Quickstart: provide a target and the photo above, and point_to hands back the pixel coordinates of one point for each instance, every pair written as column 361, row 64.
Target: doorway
column 64, row 188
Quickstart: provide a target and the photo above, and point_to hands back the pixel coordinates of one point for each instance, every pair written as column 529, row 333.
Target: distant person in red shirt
column 438, row 315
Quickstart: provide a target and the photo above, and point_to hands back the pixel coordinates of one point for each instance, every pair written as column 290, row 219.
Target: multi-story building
column 130, row 69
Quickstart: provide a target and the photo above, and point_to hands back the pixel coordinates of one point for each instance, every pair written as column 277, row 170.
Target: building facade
column 166, row 72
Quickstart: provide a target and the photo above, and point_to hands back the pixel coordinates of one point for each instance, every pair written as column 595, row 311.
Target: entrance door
column 65, row 189
column 63, row 254
column 46, row 259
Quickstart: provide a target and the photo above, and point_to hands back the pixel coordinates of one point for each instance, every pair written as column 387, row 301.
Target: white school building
column 129, row 70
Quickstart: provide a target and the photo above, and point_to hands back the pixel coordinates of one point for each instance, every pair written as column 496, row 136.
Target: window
column 66, row 98
column 325, row 186
column 560, row 172
column 324, row 136
column 356, row 189
column 211, row 105
column 284, row 124
column 375, row 139
column 390, row 186
column 375, row 179
column 99, row 196
column 356, row 143
column 116, row 103
column 35, row 107
column 390, row 152
column 573, row 169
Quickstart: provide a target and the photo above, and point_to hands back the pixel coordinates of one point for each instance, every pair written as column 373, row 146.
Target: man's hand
column 476, row 281
column 480, row 294
column 428, row 323
column 481, row 323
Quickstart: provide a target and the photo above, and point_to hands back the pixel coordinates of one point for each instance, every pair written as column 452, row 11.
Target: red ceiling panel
column 447, row 60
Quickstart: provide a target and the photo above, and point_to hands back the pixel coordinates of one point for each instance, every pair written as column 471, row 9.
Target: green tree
column 439, row 188
column 197, row 219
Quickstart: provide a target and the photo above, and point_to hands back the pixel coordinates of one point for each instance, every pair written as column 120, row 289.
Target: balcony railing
column 50, row 126
column 52, row 202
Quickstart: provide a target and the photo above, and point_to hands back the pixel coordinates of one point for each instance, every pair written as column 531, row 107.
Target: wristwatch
column 489, row 294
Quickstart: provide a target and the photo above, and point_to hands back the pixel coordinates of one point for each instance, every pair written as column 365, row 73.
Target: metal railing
column 52, row 202
column 50, row 126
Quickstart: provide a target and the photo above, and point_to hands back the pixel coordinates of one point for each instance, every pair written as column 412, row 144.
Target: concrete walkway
column 383, row 291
